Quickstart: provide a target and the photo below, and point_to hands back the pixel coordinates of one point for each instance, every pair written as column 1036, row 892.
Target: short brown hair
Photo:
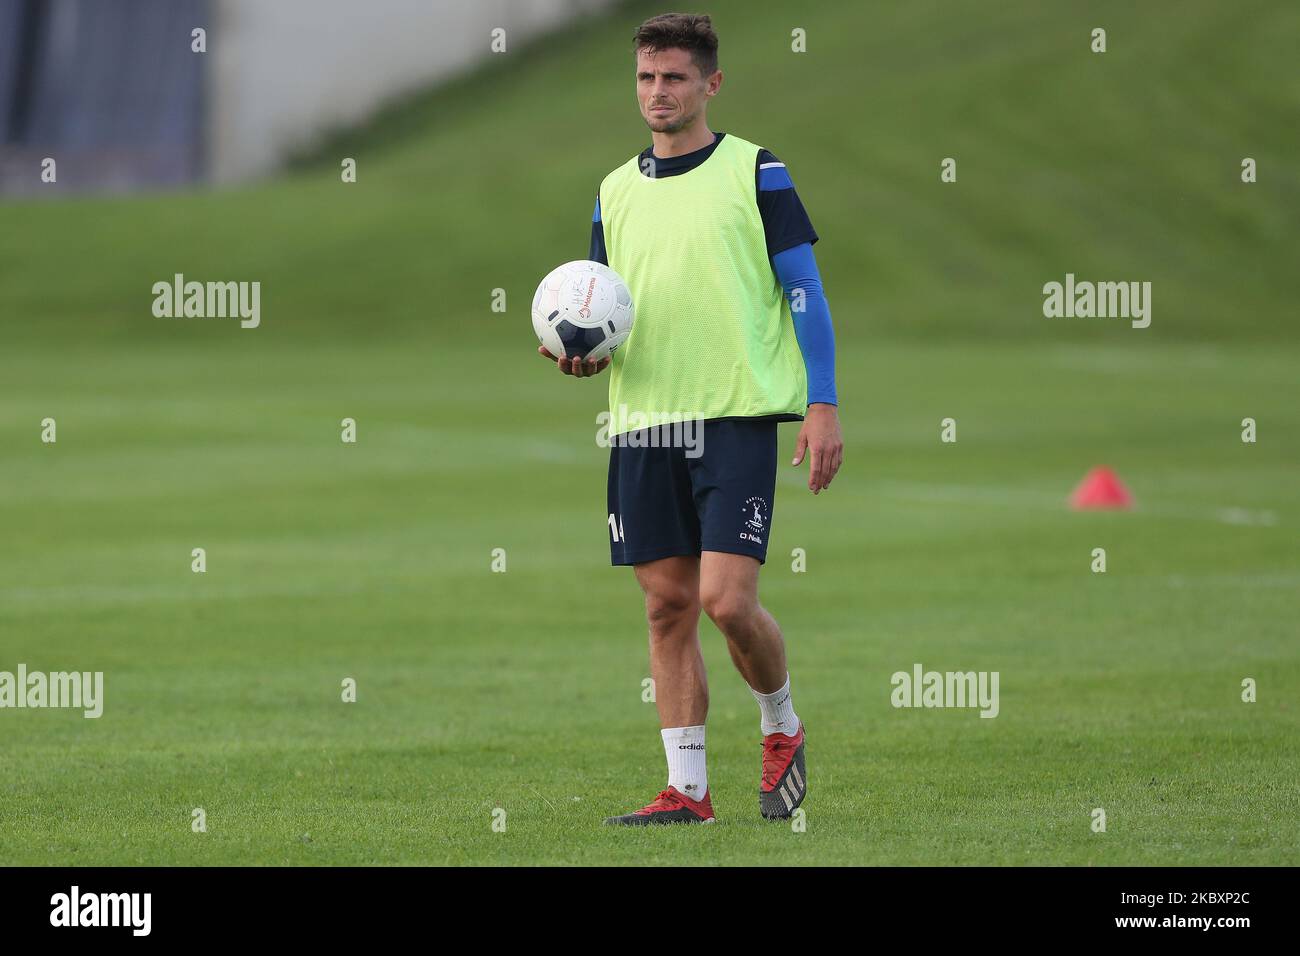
column 692, row 32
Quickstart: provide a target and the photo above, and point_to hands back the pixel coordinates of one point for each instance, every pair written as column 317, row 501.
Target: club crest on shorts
column 756, row 514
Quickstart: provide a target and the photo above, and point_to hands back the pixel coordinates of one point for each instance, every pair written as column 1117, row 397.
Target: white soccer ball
column 582, row 309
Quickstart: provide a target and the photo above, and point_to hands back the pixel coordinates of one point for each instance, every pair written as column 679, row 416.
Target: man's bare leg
column 729, row 595
column 672, row 609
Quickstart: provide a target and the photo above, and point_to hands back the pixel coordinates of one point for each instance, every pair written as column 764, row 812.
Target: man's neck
column 683, row 141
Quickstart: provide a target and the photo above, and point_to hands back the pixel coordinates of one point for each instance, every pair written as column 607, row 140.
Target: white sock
column 684, row 747
column 777, row 710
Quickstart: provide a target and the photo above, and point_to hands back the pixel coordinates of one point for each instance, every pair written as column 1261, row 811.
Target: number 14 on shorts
column 616, row 528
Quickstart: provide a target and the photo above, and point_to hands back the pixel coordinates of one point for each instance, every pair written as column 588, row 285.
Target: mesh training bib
column 713, row 336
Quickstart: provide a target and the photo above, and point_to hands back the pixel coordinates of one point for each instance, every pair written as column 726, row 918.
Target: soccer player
column 732, row 330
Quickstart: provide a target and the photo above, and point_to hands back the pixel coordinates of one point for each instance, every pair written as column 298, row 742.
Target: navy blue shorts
column 667, row 501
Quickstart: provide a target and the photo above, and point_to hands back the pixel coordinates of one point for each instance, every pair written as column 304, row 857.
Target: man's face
column 670, row 89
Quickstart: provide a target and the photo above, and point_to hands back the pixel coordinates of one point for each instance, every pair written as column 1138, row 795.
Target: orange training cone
column 1101, row 488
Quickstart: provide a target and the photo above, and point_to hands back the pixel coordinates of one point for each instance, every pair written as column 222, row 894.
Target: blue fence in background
column 110, row 89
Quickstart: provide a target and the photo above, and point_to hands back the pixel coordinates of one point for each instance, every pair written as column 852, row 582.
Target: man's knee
column 669, row 604
column 730, row 609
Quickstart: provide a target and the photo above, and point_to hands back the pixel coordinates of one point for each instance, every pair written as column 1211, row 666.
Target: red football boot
column 671, row 806
column 785, row 781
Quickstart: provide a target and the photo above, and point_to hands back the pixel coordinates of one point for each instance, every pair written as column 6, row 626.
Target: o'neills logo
column 585, row 311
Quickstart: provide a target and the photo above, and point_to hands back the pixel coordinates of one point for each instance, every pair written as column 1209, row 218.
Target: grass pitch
column 522, row 690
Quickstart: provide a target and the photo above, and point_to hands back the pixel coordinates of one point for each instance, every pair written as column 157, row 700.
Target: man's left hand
column 820, row 435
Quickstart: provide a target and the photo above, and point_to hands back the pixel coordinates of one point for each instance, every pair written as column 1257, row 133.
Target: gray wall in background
column 112, row 91
column 287, row 71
